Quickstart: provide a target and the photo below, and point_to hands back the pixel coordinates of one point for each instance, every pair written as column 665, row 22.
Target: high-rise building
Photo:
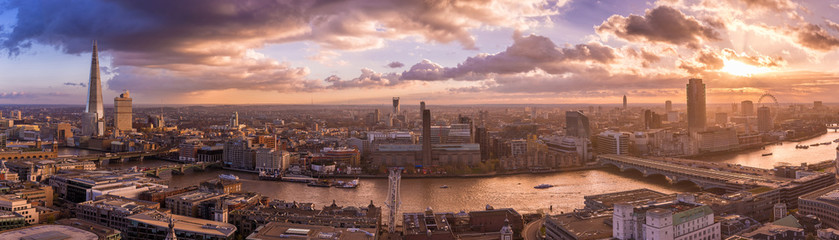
column 17, row 115
column 668, row 106
column 611, row 142
column 395, row 106
column 696, row 104
column 734, row 108
column 234, row 120
column 576, row 124
column 817, row 104
column 63, row 131
column 123, row 113
column 651, row 120
column 764, row 119
column 747, row 108
column 624, row 102
column 426, row 137
column 92, row 124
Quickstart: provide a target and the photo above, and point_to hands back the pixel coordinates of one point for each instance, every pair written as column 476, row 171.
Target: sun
column 738, row 68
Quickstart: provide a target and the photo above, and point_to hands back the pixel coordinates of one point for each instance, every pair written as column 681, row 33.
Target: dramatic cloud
column 662, row 24
column 775, row 5
column 526, row 54
column 75, row 84
column 833, row 25
column 395, row 65
column 174, row 40
column 813, row 36
column 368, row 79
column 708, row 60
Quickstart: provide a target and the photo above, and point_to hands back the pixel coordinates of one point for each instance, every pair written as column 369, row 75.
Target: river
column 504, row 191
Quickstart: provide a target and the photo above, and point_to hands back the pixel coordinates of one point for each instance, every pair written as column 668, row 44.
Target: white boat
column 228, row 177
column 543, row 186
column 350, row 184
column 444, row 186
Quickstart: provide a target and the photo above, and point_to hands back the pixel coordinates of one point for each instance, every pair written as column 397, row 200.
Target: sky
column 440, row 51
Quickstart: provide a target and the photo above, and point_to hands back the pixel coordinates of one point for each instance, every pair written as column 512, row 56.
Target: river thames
column 503, row 191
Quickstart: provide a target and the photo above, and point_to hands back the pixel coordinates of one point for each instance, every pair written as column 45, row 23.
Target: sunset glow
column 741, row 69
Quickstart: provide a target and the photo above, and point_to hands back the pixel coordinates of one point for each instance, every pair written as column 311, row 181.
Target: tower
column 170, row 235
column 234, row 120
column 747, row 108
column 624, row 102
column 696, row 105
column 764, row 119
column 780, row 211
column 395, row 106
column 123, row 112
column 220, row 211
column 576, row 124
column 394, row 184
column 426, row 138
column 92, row 124
column 668, row 106
column 506, row 230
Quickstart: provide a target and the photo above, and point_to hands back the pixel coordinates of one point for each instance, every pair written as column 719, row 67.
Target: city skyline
column 533, row 52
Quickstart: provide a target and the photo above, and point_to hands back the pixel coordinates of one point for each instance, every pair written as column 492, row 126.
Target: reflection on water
column 786, row 153
column 505, row 191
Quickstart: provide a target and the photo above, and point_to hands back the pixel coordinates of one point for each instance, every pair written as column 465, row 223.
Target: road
column 531, row 230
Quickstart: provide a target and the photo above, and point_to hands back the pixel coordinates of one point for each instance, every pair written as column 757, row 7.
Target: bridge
column 99, row 159
column 704, row 178
column 181, row 168
column 834, row 127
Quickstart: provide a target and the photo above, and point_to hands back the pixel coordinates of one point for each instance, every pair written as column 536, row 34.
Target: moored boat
column 228, row 177
column 766, row 154
column 543, row 186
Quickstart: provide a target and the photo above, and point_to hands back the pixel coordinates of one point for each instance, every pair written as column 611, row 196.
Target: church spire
column 171, row 234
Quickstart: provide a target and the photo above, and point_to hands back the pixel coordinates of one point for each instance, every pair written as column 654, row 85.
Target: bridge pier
column 123, row 160
column 141, row 158
column 104, row 161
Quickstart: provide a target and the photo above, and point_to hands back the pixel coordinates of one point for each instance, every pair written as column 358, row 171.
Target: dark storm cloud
column 662, row 24
column 815, row 37
column 395, row 65
column 178, row 38
column 75, row 84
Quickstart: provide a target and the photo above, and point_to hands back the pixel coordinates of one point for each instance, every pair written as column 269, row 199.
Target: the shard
column 92, row 124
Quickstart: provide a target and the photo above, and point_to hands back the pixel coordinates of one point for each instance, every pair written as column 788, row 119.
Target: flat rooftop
column 49, row 232
column 588, row 227
column 634, row 197
column 184, row 223
column 281, row 230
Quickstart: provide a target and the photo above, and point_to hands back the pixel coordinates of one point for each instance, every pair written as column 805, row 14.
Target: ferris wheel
column 767, row 100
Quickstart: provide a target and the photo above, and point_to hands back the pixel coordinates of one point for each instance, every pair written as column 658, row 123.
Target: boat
column 297, row 178
column 350, row 184
column 444, row 186
column 766, row 154
column 802, row 146
column 543, row 186
column 826, row 143
column 320, row 183
column 836, row 140
column 270, row 176
column 228, row 177
column 814, row 145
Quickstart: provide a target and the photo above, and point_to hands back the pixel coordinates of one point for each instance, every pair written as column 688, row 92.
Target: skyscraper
column 426, row 137
column 234, row 120
column 624, row 102
column 668, row 106
column 92, row 124
column 696, row 105
column 764, row 119
column 123, row 112
column 747, row 108
column 576, row 124
column 395, row 106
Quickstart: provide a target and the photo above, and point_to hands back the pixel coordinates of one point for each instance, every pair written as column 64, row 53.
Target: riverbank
column 417, row 176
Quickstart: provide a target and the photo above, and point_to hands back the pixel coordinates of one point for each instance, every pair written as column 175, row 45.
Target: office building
column 239, row 154
column 113, row 211
column 189, row 203
column 123, row 113
column 668, row 106
column 92, row 124
column 250, row 218
column 234, row 121
column 426, row 136
column 747, row 108
column 612, row 142
column 52, row 232
column 271, row 161
column 822, row 203
column 19, row 205
column 156, row 225
column 577, row 125
column 764, row 120
column 682, row 218
column 696, row 105
column 283, row 231
column 818, row 105
column 624, row 102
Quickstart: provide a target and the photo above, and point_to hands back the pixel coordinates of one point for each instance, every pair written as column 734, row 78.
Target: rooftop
column 280, row 230
column 184, row 223
column 596, row 226
column 49, row 232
